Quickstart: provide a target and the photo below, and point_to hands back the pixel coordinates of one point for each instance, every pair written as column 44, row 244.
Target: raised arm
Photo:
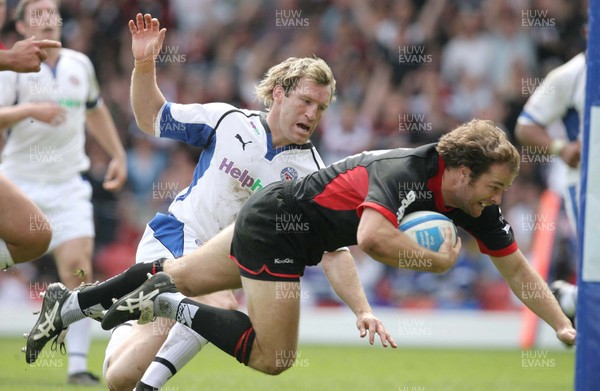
column 341, row 272
column 146, row 98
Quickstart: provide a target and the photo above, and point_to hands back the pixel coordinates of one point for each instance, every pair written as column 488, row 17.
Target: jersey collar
column 435, row 185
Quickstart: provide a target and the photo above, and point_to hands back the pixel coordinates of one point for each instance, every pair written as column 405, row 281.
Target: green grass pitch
column 329, row 368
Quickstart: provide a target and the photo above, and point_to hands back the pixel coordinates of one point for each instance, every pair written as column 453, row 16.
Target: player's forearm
column 534, row 292
column 533, row 135
column 397, row 250
column 340, row 269
column 6, row 62
column 102, row 127
column 146, row 98
column 10, row 115
column 385, row 243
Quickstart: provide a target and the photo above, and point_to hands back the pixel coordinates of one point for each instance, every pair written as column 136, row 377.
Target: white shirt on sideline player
column 39, row 151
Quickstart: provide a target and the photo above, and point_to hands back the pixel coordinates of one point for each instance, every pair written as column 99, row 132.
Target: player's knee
column 272, row 363
column 121, row 375
column 32, row 246
column 119, row 378
column 40, row 244
column 276, row 368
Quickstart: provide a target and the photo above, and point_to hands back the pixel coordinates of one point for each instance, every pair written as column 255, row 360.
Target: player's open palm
column 368, row 323
column 146, row 37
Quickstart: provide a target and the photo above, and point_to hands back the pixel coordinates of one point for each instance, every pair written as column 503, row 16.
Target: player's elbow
column 146, row 127
column 371, row 244
column 524, row 133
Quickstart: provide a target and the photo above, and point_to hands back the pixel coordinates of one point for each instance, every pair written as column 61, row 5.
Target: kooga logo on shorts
column 229, row 167
column 285, row 260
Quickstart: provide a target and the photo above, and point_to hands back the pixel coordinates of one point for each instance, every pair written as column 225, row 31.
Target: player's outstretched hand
column 28, row 54
column 369, row 322
column 146, row 37
column 567, row 335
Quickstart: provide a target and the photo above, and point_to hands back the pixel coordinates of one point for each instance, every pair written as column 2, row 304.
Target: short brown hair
column 478, row 145
column 289, row 72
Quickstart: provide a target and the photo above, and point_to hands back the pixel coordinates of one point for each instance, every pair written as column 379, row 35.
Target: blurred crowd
column 407, row 71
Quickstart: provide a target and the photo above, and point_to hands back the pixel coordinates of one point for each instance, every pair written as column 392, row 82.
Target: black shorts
column 269, row 236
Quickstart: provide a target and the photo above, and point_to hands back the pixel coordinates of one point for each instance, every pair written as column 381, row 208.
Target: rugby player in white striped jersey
column 243, row 151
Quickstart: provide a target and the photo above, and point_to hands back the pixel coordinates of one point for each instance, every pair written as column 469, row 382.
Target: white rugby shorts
column 66, row 205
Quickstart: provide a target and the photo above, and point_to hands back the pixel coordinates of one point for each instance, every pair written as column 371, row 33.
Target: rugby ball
column 428, row 228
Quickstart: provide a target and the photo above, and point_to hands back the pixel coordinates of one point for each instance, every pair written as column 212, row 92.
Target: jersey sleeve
column 550, row 100
column 8, row 92
column 383, row 193
column 93, row 95
column 493, row 233
column 193, row 124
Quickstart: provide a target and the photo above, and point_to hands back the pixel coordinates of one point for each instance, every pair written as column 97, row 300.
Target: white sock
column 181, row 345
column 166, row 304
column 6, row 260
column 70, row 311
column 78, row 345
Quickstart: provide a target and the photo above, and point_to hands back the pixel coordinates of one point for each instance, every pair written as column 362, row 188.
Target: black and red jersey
column 394, row 182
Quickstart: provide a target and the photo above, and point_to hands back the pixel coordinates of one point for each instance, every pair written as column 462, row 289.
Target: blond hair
column 20, row 8
column 478, row 145
column 289, row 72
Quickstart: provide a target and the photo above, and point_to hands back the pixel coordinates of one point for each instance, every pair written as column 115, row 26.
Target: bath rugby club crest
column 288, row 174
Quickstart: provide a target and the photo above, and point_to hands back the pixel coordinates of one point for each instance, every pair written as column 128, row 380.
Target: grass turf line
column 331, row 368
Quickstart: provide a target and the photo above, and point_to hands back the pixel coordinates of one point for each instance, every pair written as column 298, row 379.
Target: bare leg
column 74, row 263
column 265, row 340
column 23, row 228
column 275, row 318
column 206, row 270
column 128, row 362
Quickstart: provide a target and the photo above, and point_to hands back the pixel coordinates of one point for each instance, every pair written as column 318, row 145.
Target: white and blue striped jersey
column 238, row 159
column 39, row 151
column 559, row 97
